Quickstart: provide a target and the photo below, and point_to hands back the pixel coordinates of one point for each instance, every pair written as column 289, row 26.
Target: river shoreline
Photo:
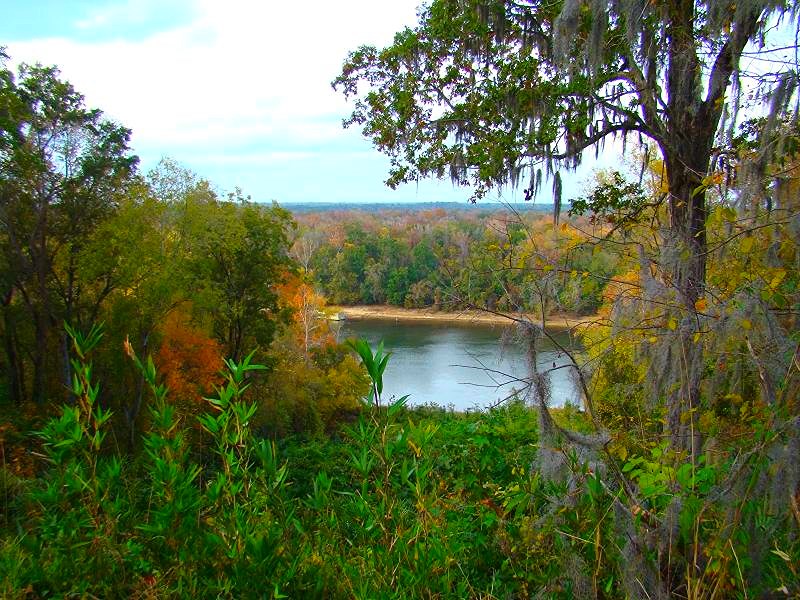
column 477, row 317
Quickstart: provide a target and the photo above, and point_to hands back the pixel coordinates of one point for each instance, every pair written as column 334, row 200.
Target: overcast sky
column 237, row 90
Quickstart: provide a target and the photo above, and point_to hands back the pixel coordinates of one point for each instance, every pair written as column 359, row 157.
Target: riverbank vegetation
column 401, row 503
column 178, row 420
column 451, row 261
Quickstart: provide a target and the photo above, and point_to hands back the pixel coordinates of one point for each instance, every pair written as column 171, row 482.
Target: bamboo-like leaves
column 375, row 365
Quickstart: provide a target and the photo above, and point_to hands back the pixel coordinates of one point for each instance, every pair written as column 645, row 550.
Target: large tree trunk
column 69, row 300
column 133, row 409
column 40, row 260
column 16, row 374
column 687, row 268
column 687, row 248
column 39, row 359
column 687, row 241
column 686, row 148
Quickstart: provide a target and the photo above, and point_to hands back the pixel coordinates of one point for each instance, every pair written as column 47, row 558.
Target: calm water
column 444, row 363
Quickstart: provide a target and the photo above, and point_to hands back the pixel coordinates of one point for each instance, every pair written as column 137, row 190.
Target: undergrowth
column 403, row 503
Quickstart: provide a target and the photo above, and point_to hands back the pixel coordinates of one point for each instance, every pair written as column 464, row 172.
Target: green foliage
column 455, row 260
column 63, row 168
column 405, row 502
column 309, row 396
column 614, row 198
column 237, row 254
column 517, row 84
column 84, row 239
column 376, row 517
column 375, row 364
column 684, row 483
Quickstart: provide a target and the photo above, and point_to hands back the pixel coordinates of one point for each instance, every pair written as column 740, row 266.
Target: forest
column 178, row 419
column 452, row 260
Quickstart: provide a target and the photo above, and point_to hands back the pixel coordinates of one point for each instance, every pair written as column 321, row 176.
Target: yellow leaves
column 707, row 420
column 658, row 175
column 724, row 214
column 714, row 178
column 787, row 250
column 416, row 449
column 746, row 324
column 777, row 278
column 780, row 553
column 757, row 262
column 627, row 283
column 672, row 323
column 621, row 452
column 686, row 416
column 729, row 214
column 696, row 337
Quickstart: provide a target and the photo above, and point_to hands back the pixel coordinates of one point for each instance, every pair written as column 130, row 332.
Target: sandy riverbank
column 396, row 313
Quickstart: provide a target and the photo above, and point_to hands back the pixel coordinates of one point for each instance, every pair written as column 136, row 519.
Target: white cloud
column 237, row 73
column 241, row 92
column 120, row 14
column 249, row 159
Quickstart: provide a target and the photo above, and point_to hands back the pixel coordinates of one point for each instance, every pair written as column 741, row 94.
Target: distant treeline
column 453, row 259
column 411, row 207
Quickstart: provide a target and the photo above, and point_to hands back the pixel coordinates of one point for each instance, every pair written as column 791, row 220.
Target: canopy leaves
column 481, row 91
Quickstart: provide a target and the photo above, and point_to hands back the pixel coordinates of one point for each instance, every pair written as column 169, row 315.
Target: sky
column 236, row 90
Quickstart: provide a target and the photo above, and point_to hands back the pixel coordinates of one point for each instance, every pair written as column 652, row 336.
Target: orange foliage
column 310, row 327
column 189, row 360
column 626, row 284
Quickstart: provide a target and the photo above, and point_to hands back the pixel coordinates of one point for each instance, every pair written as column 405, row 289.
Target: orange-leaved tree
column 189, row 359
column 309, row 326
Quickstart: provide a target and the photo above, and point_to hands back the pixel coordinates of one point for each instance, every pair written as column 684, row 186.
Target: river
column 462, row 366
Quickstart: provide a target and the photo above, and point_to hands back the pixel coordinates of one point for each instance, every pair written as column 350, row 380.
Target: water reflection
column 466, row 366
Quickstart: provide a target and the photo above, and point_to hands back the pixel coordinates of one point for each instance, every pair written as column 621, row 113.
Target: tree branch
column 728, row 59
column 626, row 127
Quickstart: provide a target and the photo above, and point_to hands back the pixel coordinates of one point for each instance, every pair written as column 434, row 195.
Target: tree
column 238, row 254
column 309, row 324
column 307, row 242
column 486, row 91
column 62, row 167
column 139, row 248
column 190, row 361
